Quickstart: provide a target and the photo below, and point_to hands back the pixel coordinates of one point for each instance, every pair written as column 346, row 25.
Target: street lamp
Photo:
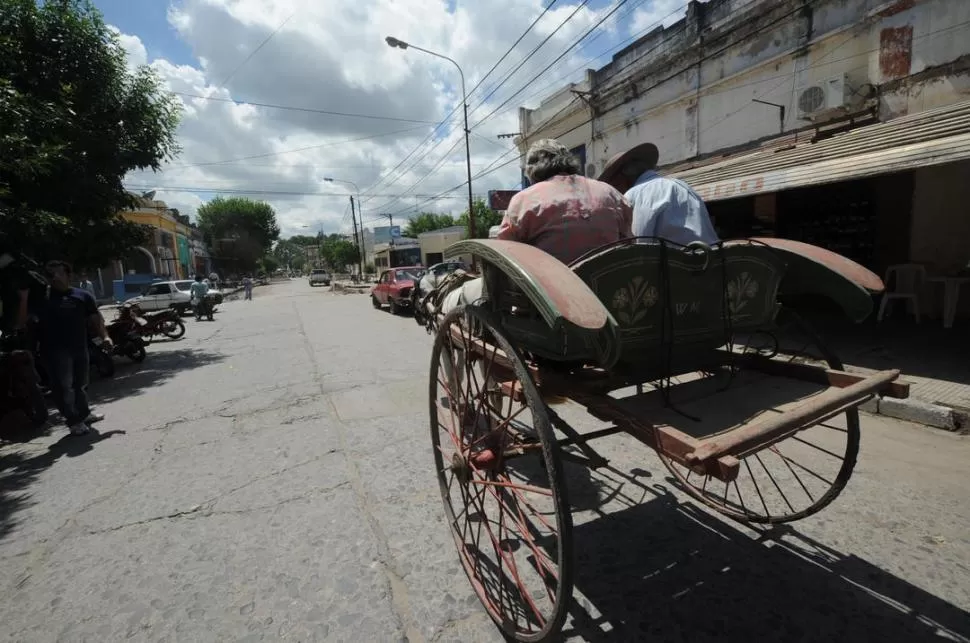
column 360, row 212
column 400, row 44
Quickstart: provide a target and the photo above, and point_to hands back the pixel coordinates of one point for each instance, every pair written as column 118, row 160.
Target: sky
column 281, row 95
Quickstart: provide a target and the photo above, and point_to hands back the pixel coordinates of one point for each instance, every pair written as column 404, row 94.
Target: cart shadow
column 661, row 570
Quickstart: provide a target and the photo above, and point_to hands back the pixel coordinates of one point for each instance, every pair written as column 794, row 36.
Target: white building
column 844, row 123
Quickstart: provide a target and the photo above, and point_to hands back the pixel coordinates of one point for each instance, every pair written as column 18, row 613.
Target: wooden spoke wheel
column 500, row 475
column 798, row 476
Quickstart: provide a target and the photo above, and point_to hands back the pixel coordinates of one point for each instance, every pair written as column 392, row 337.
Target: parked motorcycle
column 126, row 336
column 162, row 322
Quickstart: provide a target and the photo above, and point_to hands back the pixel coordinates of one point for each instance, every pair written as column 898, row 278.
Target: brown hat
column 623, row 169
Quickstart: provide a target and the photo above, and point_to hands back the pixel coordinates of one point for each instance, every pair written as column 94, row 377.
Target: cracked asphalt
column 269, row 477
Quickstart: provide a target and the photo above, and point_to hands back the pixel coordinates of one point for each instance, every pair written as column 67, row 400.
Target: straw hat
column 623, row 169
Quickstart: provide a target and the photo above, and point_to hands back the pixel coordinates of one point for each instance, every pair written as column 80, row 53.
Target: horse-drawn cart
column 633, row 314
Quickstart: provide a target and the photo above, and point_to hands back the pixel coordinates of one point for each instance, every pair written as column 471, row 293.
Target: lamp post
column 394, row 42
column 360, row 211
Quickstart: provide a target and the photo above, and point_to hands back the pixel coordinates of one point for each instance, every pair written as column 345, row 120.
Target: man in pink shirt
column 562, row 213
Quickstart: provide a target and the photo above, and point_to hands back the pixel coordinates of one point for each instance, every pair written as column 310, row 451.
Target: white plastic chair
column 910, row 278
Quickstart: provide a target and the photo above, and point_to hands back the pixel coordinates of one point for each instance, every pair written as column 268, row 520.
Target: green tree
column 73, row 122
column 239, row 230
column 304, row 240
column 427, row 222
column 339, row 253
column 485, row 218
column 269, row 264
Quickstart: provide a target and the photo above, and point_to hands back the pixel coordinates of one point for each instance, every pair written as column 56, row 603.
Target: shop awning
column 932, row 137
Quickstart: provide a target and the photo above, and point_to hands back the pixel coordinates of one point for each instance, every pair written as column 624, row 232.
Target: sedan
column 393, row 288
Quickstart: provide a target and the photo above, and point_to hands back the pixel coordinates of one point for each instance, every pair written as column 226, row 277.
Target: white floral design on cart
column 740, row 291
column 631, row 303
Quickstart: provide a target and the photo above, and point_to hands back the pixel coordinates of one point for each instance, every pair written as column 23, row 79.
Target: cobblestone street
column 269, row 477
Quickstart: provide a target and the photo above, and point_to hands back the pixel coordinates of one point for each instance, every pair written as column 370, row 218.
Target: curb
column 349, row 287
column 920, row 412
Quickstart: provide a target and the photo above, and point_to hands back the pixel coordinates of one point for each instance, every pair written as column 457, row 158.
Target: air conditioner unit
column 823, row 100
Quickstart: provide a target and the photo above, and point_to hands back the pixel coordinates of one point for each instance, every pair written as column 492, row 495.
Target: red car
column 394, row 287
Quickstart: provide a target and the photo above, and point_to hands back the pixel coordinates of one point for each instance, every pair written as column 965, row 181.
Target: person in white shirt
column 662, row 207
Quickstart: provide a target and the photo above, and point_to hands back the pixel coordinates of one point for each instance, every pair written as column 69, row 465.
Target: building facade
column 837, row 122
column 434, row 243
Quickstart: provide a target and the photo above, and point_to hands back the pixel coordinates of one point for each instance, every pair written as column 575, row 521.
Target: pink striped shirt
column 567, row 216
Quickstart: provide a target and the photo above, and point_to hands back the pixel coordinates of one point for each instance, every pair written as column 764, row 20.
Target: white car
column 170, row 294
column 319, row 276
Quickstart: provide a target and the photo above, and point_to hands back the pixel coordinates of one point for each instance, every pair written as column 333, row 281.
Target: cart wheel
column 798, row 476
column 509, row 516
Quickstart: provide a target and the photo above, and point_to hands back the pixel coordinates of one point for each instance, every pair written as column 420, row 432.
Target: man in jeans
column 68, row 317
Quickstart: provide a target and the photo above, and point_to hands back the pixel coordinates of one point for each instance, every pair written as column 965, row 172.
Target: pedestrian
column 88, row 287
column 248, row 285
column 67, row 318
column 197, row 293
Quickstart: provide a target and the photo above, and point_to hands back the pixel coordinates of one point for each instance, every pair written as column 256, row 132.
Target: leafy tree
column 73, row 122
column 427, row 222
column 485, row 218
column 338, row 252
column 290, row 254
column 239, row 230
column 304, row 240
column 269, row 264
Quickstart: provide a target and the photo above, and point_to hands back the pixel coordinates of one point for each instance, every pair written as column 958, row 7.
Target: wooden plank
column 777, row 427
column 816, row 374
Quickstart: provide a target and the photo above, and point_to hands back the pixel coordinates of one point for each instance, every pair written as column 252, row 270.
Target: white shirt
column 669, row 209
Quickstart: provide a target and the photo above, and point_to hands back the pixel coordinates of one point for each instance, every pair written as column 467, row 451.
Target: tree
column 427, row 222
column 269, row 264
column 73, row 122
column 239, row 230
column 338, row 252
column 485, row 218
column 304, row 240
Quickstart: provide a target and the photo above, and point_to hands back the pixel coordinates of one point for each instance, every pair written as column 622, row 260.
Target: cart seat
column 668, row 307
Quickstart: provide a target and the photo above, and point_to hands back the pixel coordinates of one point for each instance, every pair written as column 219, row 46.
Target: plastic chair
column 910, row 278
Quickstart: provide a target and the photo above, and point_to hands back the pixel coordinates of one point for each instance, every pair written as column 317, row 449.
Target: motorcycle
column 99, row 356
column 126, row 336
column 205, row 308
column 162, row 322
column 22, row 403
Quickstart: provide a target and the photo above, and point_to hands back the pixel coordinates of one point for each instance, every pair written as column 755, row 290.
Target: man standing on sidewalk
column 68, row 317
column 248, row 286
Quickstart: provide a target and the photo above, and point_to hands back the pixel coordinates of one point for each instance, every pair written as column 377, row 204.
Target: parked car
column 170, row 294
column 393, row 288
column 320, row 276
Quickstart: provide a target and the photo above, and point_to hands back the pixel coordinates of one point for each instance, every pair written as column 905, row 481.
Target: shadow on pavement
column 660, row 570
column 18, row 470
column 158, row 367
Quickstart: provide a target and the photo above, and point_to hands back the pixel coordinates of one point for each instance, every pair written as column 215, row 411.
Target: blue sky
column 147, row 20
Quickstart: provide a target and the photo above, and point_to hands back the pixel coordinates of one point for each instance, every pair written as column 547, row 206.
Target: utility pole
column 353, row 218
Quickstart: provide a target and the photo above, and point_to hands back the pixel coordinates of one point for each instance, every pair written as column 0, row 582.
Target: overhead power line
column 386, row 179
column 298, row 149
column 256, row 50
column 309, row 110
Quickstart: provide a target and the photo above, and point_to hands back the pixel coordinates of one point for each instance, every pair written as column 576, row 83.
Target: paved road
column 268, row 478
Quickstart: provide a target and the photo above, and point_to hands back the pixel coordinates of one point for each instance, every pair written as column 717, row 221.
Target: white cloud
column 134, row 49
column 332, row 56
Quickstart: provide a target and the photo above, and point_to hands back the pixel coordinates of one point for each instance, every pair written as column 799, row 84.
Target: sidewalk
column 935, row 361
